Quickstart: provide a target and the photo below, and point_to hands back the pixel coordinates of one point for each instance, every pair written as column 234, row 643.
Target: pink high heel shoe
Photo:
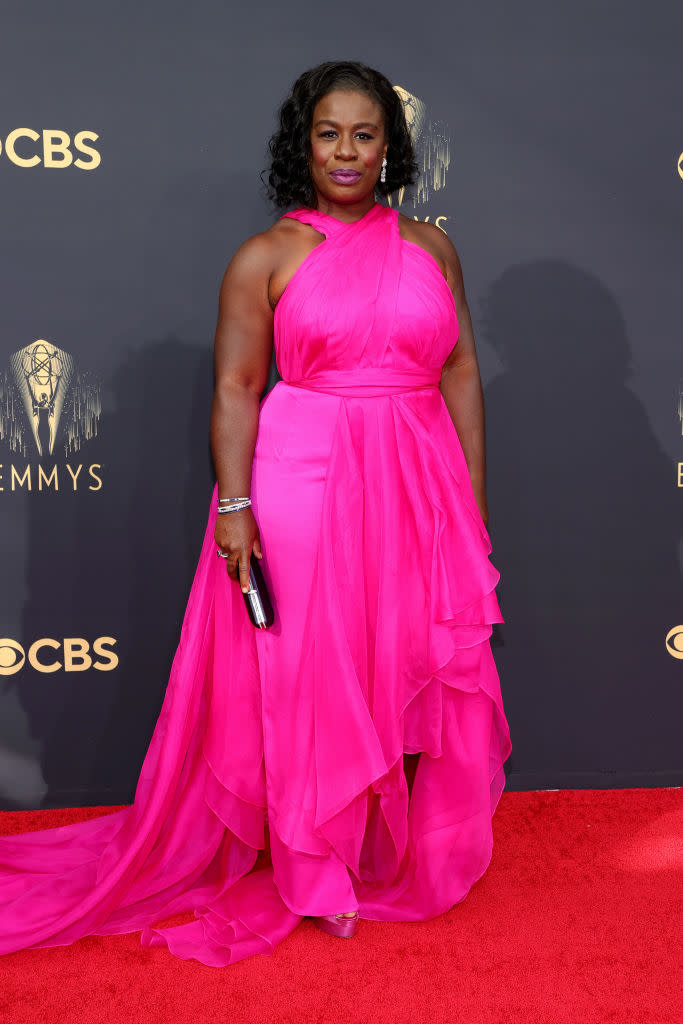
column 342, row 927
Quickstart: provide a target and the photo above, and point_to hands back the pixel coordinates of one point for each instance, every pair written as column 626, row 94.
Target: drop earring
column 383, row 172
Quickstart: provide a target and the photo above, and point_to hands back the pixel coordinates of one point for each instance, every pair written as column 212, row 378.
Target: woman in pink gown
column 368, row 518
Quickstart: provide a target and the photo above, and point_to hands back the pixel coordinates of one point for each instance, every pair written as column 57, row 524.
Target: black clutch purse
column 257, row 598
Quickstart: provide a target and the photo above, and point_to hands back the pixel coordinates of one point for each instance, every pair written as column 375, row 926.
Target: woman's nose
column 345, row 148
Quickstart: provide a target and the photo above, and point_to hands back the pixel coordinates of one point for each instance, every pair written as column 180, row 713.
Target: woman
column 362, row 483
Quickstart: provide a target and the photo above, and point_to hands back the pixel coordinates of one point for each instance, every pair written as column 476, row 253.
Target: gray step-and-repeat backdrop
column 132, row 137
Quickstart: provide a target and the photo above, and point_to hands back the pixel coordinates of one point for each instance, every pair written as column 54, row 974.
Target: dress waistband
column 368, row 382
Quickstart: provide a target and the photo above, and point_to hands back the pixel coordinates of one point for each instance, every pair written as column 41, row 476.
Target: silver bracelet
column 233, row 508
column 222, row 501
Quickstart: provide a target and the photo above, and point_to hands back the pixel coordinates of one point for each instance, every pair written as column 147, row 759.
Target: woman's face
column 347, row 146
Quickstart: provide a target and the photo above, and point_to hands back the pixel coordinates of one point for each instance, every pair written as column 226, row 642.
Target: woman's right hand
column 237, row 535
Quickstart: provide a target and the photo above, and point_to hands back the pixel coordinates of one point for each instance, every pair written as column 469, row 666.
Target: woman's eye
column 330, row 132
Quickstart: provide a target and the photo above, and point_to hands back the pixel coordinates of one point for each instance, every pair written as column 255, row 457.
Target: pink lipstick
column 345, row 177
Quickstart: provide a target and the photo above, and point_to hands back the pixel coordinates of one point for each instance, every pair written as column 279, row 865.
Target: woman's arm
column 460, row 380
column 242, row 354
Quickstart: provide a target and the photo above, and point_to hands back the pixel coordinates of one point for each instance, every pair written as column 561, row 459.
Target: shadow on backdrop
column 585, row 529
column 118, row 562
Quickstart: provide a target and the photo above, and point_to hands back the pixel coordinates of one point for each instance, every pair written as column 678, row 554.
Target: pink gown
column 376, row 557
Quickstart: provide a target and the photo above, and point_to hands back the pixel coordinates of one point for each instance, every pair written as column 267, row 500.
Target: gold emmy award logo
column 50, row 390
column 47, row 406
column 72, row 654
column 679, row 165
column 53, row 149
column 42, row 374
column 674, row 642
column 679, row 465
column 432, row 148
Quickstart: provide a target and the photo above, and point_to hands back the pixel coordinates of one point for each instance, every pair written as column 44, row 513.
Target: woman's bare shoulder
column 424, row 233
column 262, row 252
column 430, row 238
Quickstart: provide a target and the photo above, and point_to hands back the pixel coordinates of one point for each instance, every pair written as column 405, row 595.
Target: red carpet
column 578, row 919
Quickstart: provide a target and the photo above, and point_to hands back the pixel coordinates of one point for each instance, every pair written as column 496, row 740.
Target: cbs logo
column 71, row 654
column 674, row 642
column 52, row 148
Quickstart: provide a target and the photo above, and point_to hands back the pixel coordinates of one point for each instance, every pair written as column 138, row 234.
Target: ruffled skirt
column 376, row 558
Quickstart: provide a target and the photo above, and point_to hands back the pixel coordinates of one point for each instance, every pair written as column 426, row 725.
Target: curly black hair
column 289, row 178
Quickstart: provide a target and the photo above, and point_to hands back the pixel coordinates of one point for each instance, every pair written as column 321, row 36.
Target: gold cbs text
column 51, row 148
column 72, row 654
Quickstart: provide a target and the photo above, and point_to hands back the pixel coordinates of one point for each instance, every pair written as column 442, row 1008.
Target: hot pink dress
column 376, row 557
